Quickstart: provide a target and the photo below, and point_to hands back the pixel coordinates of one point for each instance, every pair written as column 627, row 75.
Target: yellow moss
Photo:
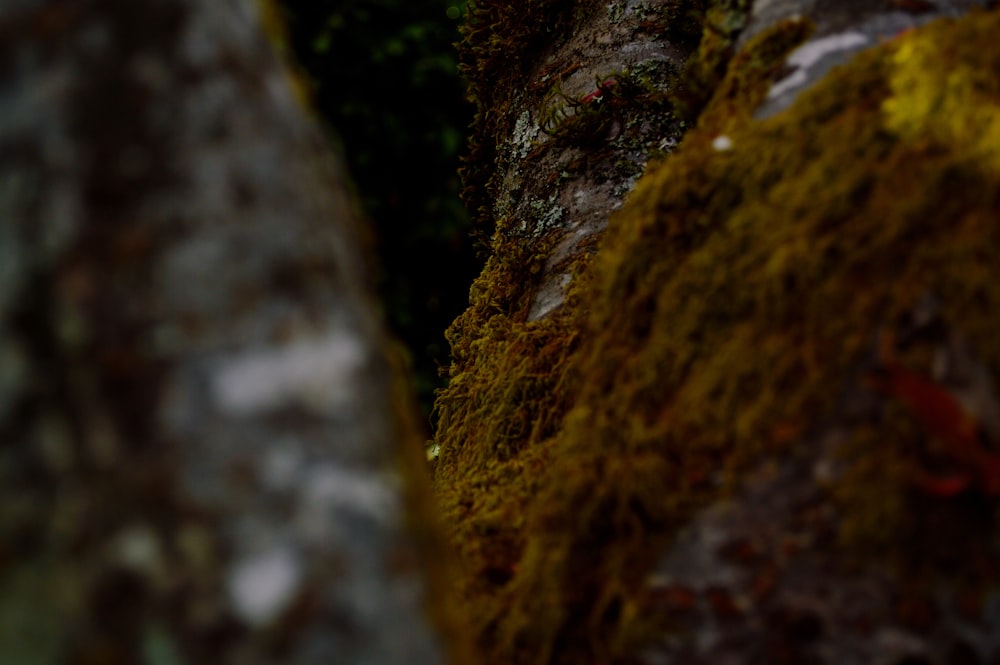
column 955, row 106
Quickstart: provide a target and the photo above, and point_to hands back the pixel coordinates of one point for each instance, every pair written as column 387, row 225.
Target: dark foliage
column 384, row 80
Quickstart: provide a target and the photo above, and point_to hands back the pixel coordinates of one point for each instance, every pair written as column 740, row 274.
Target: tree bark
column 204, row 440
column 746, row 412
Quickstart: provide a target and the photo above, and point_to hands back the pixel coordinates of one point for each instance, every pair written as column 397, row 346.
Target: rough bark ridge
column 759, row 424
column 200, row 457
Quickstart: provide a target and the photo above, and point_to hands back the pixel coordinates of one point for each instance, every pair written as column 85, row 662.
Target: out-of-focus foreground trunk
column 202, row 439
column 744, row 412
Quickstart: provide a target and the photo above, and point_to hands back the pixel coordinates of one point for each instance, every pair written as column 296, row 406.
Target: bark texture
column 750, row 417
column 203, row 440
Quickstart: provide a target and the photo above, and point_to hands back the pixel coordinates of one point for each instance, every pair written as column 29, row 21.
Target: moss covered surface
column 727, row 308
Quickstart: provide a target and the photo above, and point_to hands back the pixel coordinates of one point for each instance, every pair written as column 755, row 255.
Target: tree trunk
column 750, row 416
column 203, row 436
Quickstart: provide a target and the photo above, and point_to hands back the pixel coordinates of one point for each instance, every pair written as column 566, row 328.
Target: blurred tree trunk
column 739, row 409
column 203, row 439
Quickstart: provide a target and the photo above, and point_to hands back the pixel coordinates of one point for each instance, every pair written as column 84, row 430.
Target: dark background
column 384, row 79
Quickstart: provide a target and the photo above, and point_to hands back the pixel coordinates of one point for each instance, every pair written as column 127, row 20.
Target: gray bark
column 200, row 452
column 592, row 174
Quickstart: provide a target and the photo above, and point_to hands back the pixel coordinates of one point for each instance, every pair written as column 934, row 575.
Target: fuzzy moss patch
column 508, row 392
column 509, row 376
column 731, row 300
column 727, row 307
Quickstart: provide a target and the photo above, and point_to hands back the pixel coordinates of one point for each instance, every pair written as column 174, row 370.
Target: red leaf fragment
column 942, row 417
column 602, row 89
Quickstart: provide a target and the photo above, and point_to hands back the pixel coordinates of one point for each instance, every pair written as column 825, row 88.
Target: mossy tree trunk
column 203, row 438
column 725, row 388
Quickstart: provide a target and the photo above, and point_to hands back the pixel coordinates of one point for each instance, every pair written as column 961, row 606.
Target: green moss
column 728, row 305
